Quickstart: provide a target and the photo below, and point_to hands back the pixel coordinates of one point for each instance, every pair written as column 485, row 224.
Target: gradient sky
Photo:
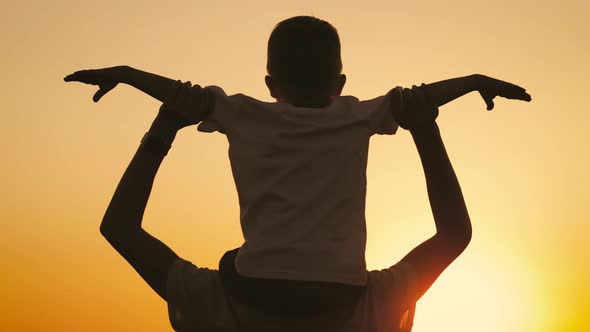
column 523, row 167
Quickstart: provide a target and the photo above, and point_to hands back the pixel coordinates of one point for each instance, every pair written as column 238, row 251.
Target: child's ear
column 270, row 84
column 340, row 82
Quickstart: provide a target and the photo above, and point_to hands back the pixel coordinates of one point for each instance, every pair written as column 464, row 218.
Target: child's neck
column 311, row 103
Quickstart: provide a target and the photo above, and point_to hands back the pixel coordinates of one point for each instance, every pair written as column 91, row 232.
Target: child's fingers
column 519, row 93
column 513, row 91
column 74, row 76
column 527, row 97
column 489, row 99
column 79, row 76
column 101, row 92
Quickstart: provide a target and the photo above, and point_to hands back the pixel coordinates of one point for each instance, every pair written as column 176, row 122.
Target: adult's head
column 304, row 64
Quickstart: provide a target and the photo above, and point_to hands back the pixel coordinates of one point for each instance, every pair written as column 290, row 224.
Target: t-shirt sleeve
column 392, row 293
column 397, row 282
column 194, row 295
column 222, row 115
column 381, row 119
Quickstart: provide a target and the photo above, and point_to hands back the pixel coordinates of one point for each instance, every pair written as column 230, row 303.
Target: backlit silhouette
column 299, row 165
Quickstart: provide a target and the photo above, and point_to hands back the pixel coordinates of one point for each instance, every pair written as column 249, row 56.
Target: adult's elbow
column 110, row 231
column 458, row 238
column 463, row 237
column 106, row 229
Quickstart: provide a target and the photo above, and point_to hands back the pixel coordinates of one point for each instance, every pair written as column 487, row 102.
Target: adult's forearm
column 445, row 91
column 444, row 192
column 125, row 211
column 154, row 85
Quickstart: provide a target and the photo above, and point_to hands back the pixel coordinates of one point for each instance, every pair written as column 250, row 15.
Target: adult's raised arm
column 121, row 224
column 453, row 226
column 122, row 221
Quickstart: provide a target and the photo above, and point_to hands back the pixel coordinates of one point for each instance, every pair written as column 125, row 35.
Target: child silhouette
column 299, row 165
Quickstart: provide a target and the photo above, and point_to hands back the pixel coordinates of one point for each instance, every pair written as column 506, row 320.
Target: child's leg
column 287, row 296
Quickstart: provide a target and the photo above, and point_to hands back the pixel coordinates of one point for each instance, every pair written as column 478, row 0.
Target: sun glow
column 471, row 295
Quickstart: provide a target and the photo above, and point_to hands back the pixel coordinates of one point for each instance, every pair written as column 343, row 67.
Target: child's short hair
column 304, row 56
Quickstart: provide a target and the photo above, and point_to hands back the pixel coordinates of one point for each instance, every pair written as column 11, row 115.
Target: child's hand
column 490, row 88
column 106, row 79
column 418, row 108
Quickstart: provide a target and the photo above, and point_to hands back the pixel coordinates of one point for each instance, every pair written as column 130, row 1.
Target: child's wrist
column 477, row 81
column 122, row 73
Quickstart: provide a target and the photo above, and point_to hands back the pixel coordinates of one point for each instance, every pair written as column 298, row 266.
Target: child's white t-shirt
column 301, row 179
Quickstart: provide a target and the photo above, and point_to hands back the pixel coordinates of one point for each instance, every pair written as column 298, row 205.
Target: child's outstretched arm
column 448, row 90
column 107, row 79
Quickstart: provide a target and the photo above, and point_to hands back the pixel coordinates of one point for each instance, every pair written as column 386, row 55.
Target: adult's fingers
column 408, row 99
column 184, row 91
column 172, row 97
column 177, row 100
column 426, row 109
column 408, row 109
column 182, row 96
column 429, row 100
column 420, row 97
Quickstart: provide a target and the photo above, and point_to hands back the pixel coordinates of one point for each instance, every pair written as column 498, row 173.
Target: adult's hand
column 187, row 105
column 418, row 108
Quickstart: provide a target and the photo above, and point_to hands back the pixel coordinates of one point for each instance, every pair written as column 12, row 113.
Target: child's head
column 304, row 65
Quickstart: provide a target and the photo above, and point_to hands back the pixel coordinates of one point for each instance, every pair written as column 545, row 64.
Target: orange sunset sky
column 523, row 167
